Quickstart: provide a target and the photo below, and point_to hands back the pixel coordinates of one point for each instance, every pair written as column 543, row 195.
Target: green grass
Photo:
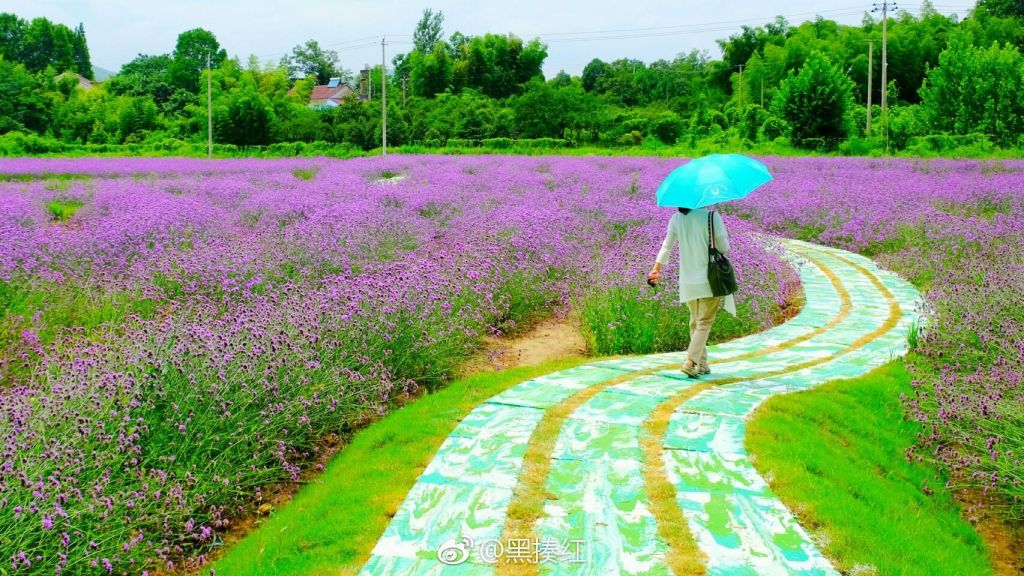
column 305, row 173
column 835, row 455
column 332, row 524
column 634, row 320
column 62, row 210
column 47, row 309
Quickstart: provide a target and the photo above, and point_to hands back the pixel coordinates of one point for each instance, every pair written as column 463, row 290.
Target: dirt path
column 549, row 339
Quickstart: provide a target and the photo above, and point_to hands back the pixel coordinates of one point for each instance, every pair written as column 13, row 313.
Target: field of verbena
column 176, row 335
column 956, row 229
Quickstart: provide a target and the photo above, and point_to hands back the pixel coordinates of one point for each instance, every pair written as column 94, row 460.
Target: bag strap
column 711, row 228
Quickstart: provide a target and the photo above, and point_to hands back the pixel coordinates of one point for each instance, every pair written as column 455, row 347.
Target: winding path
column 640, row 448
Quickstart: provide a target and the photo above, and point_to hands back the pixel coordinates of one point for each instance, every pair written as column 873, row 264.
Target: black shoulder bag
column 720, row 272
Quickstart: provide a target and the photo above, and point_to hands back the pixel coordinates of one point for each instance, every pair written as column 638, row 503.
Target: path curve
column 640, row 432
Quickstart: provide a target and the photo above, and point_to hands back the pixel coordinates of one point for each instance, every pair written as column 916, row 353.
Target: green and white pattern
column 595, row 486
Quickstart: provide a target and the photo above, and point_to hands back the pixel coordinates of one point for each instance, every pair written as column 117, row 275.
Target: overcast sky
column 575, row 30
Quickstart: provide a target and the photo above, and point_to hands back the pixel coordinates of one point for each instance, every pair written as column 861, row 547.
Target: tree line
column 796, row 85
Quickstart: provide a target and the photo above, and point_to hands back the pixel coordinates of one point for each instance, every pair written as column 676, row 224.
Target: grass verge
column 332, row 524
column 836, row 456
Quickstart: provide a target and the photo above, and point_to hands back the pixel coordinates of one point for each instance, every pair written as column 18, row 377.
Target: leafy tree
column 431, row 73
column 429, row 31
column 357, row 122
column 814, row 102
column 12, row 37
column 189, row 56
column 246, row 120
column 310, row 58
column 561, row 80
column 39, row 44
column 144, row 76
column 136, row 115
column 1003, row 8
column 976, row 90
column 23, row 103
column 667, row 127
column 497, row 65
column 80, row 53
column 592, row 73
column 543, row 111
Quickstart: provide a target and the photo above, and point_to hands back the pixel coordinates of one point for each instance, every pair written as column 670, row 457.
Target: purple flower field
column 179, row 334
column 956, row 229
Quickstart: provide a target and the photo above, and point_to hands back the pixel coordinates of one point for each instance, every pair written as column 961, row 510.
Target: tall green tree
column 976, row 90
column 429, row 31
column 431, row 73
column 592, row 73
column 144, row 76
column 498, row 64
column 189, row 57
column 23, row 103
column 1003, row 8
column 815, row 102
column 80, row 53
column 310, row 58
column 12, row 37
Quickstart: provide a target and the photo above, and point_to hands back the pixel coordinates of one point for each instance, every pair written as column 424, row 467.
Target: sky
column 575, row 31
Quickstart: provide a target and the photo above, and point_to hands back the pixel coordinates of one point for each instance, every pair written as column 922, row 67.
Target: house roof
column 84, row 82
column 324, row 92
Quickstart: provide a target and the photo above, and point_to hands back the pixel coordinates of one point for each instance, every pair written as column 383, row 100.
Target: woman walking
column 691, row 229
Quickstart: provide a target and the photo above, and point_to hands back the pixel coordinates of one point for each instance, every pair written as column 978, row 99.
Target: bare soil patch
column 549, row 339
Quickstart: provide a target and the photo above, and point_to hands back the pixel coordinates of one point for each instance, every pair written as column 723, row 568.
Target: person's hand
column 653, row 276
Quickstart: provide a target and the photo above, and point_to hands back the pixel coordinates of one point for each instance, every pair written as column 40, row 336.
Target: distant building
column 330, row 95
column 84, row 82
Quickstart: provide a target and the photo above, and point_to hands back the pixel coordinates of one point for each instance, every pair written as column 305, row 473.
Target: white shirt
column 691, row 232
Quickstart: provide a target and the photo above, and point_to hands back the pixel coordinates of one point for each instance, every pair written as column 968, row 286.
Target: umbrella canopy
column 711, row 180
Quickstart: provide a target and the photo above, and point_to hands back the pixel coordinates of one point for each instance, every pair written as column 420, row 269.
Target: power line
column 855, row 9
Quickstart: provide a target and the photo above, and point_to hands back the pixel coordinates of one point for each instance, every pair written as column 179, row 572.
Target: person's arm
column 721, row 234
column 666, row 251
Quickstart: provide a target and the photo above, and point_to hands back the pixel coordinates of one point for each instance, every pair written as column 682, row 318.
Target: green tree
column 189, row 57
column 136, row 115
column 310, row 58
column 246, row 120
column 429, row 31
column 498, row 65
column 431, row 73
column 815, row 101
column 144, row 76
column 23, row 103
column 80, row 53
column 1003, row 8
column 46, row 44
column 666, row 126
column 976, row 90
column 592, row 73
column 12, row 37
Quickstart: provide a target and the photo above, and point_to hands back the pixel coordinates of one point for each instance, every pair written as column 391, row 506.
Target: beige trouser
column 702, row 316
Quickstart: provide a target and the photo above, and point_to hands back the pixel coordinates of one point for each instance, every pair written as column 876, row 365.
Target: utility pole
column 405, row 79
column 871, row 52
column 209, row 109
column 383, row 100
column 369, row 82
column 886, row 5
column 741, row 86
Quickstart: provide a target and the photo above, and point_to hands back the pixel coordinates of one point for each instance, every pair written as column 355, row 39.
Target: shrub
column 497, row 143
column 666, row 126
column 461, row 143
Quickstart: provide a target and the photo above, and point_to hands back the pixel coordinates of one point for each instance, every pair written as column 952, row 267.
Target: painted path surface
column 597, row 516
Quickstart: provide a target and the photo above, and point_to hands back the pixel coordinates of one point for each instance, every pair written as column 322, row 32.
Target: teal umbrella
column 711, row 180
